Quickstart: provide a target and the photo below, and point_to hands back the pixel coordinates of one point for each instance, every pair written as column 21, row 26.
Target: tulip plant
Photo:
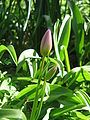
column 45, row 48
column 45, row 85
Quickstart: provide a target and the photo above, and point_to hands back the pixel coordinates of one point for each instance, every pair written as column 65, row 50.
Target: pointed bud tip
column 46, row 43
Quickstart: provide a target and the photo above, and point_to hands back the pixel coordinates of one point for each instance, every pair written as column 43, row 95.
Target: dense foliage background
column 67, row 90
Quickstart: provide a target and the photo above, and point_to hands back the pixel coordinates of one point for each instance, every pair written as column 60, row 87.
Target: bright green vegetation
column 54, row 87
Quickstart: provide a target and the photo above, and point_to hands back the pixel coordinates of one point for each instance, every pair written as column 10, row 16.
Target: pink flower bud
column 46, row 43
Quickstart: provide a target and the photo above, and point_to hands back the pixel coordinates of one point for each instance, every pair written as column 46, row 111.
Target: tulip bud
column 51, row 72
column 46, row 43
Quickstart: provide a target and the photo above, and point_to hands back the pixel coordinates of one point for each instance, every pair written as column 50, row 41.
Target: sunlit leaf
column 12, row 114
column 78, row 25
column 82, row 116
column 26, row 55
column 30, row 91
column 11, row 51
column 64, row 33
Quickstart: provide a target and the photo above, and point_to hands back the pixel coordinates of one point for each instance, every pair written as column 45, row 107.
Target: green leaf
column 83, row 76
column 77, row 74
column 12, row 114
column 85, row 98
column 56, row 113
column 63, row 37
column 56, row 91
column 11, row 51
column 55, row 38
column 30, row 90
column 82, row 116
column 64, row 55
column 77, row 23
column 25, row 56
column 29, row 53
column 64, row 33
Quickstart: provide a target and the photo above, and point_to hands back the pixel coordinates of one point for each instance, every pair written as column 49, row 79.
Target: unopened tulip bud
column 51, row 72
column 46, row 43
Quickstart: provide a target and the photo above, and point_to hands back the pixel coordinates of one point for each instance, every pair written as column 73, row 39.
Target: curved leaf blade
column 11, row 51
column 12, row 114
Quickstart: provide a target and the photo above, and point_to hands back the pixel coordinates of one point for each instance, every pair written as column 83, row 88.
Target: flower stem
column 35, row 104
column 41, row 101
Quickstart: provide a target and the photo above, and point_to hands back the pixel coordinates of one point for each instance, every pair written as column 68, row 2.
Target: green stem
column 41, row 102
column 34, row 109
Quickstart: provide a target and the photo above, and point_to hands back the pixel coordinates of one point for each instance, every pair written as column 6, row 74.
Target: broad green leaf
column 29, row 53
column 56, row 91
column 28, row 91
column 64, row 33
column 84, row 73
column 25, row 56
column 83, row 76
column 82, row 116
column 55, row 38
column 85, row 98
column 63, row 37
column 77, row 74
column 77, row 23
column 12, row 114
column 64, row 56
column 67, row 103
column 86, row 68
column 11, row 51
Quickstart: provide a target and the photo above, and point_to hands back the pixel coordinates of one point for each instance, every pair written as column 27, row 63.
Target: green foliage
column 77, row 23
column 11, row 51
column 12, row 114
column 55, row 87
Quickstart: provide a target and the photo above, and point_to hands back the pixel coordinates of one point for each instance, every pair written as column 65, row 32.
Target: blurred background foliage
column 23, row 22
